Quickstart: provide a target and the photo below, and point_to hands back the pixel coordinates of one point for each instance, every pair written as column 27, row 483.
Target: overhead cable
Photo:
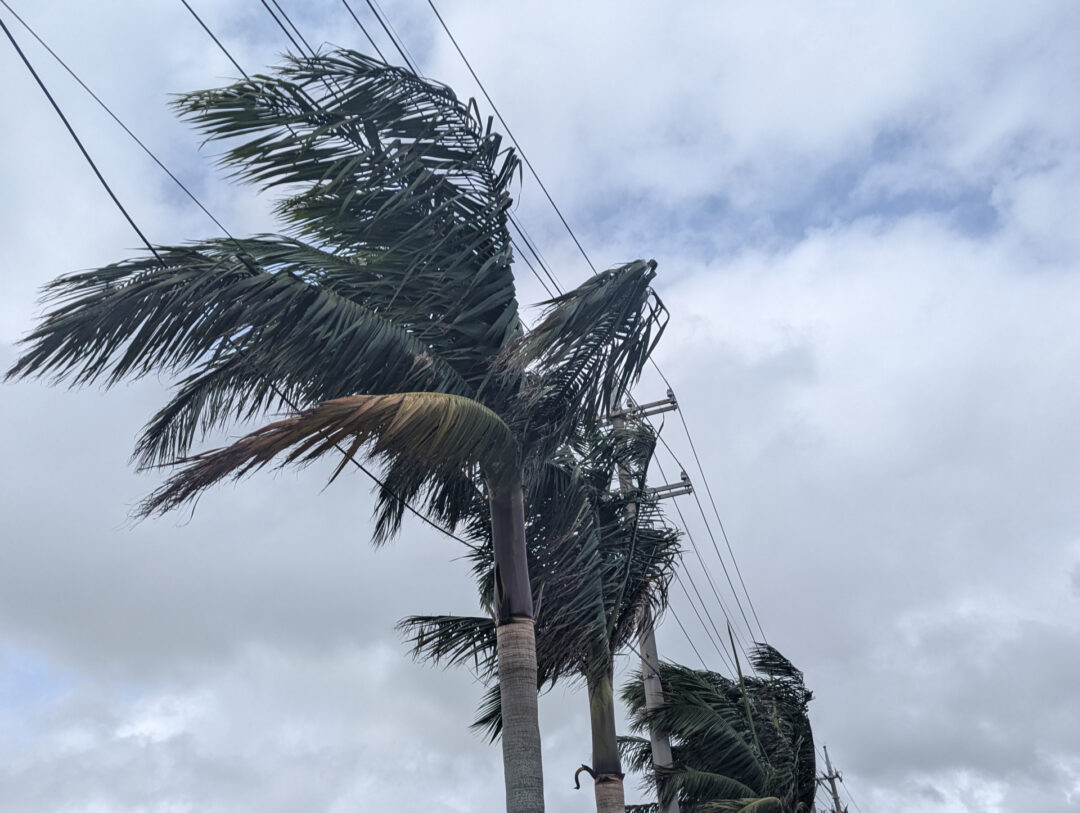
column 682, row 418
column 412, row 65
column 510, row 133
column 127, row 216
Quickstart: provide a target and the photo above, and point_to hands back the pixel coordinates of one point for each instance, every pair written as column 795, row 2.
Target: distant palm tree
column 386, row 316
column 739, row 746
column 594, row 566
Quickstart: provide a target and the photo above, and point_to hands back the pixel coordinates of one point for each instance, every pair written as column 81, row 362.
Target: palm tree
column 384, row 318
column 739, row 745
column 594, row 564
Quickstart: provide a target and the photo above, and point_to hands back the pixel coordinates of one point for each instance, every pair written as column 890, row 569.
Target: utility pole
column 650, row 659
column 831, row 777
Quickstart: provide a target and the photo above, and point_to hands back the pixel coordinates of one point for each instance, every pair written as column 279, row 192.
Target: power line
column 712, row 537
column 288, row 19
column 277, row 391
column 712, row 501
column 528, row 242
column 282, row 26
column 510, row 133
column 393, row 32
column 847, row 792
column 364, row 29
column 403, row 52
column 78, row 141
column 400, row 46
column 558, row 211
column 116, row 118
column 689, row 640
column 697, row 551
column 206, row 28
column 708, row 576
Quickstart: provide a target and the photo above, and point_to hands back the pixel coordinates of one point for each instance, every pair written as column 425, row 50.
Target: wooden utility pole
column 650, row 659
column 831, row 777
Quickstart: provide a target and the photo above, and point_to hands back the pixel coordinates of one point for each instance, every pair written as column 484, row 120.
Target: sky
column 865, row 218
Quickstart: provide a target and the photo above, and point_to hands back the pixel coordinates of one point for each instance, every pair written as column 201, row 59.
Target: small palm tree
column 595, row 564
column 384, row 318
column 739, row 746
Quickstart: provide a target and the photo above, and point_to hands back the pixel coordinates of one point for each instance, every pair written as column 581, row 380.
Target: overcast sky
column 866, row 223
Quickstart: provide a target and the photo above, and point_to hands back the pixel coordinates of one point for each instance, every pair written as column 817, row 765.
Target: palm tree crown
column 738, row 745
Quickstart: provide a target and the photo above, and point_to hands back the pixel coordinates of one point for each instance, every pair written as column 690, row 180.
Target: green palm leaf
column 450, row 640
column 139, row 316
column 768, row 804
column 695, row 784
column 375, row 160
column 770, row 752
column 590, row 347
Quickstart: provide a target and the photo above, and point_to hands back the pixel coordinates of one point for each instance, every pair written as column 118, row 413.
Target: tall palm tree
column 739, row 746
column 594, row 565
column 385, row 318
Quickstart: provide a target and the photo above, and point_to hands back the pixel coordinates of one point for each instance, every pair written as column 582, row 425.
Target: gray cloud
column 865, row 226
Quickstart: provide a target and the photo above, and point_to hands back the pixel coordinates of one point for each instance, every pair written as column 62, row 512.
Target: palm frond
column 374, row 159
column 769, row 661
column 454, row 498
column 709, row 724
column 452, row 640
column 706, row 716
column 590, row 346
column 592, row 566
column 211, row 307
column 694, row 784
column 767, row 804
column 489, row 715
column 431, row 431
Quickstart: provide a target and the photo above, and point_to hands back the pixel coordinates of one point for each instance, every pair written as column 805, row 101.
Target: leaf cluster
column 734, row 743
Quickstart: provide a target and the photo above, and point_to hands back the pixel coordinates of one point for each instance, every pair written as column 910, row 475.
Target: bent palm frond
column 695, row 784
column 428, row 431
column 452, row 497
column 374, row 159
column 591, row 345
column 138, row 316
column 713, row 721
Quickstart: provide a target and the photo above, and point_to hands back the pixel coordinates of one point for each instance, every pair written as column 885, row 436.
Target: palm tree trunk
column 606, row 765
column 516, row 641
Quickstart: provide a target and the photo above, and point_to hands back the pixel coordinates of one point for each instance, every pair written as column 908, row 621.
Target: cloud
column 264, row 729
column 864, row 219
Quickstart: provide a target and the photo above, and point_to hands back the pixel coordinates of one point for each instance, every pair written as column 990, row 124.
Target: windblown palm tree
column 385, row 319
column 594, row 565
column 742, row 746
